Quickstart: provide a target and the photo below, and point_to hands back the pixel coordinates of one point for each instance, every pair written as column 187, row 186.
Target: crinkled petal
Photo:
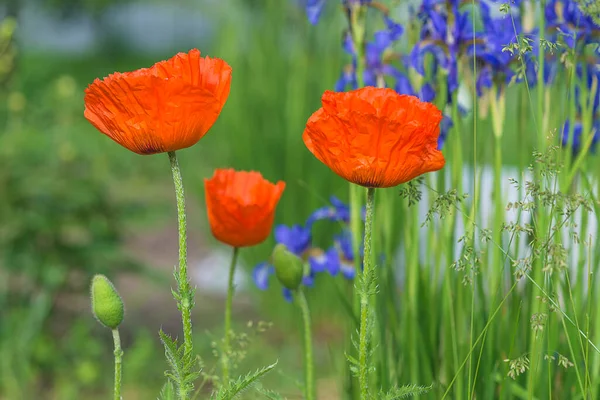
column 375, row 137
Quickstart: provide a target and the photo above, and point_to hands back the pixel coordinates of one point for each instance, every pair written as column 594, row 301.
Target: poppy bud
column 107, row 305
column 289, row 268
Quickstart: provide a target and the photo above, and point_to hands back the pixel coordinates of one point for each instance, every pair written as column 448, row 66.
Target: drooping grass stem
column 228, row 307
column 309, row 367
column 185, row 295
column 367, row 284
column 118, row 362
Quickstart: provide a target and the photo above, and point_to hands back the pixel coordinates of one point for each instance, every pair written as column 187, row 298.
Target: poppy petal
column 166, row 107
column 241, row 206
column 375, row 137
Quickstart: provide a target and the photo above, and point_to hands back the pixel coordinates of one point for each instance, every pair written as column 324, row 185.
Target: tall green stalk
column 357, row 23
column 118, row 363
column 184, row 295
column 543, row 224
column 367, row 285
column 228, row 307
column 309, row 365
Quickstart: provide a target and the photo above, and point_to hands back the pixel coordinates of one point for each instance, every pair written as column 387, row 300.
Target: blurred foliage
column 61, row 220
column 590, row 8
column 8, row 51
column 59, row 226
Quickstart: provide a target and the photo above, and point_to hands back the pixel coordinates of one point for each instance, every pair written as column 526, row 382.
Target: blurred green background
column 73, row 203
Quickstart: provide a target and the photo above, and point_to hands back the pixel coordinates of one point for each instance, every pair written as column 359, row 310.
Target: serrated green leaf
column 167, row 392
column 269, row 394
column 183, row 371
column 242, row 383
column 405, row 391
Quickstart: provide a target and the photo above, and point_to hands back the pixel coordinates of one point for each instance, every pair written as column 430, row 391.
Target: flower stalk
column 309, row 367
column 228, row 307
column 368, row 282
column 118, row 362
column 184, row 295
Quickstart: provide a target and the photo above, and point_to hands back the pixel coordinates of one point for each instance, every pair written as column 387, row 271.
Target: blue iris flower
column 577, row 136
column 313, row 10
column 315, row 7
column 343, row 243
column 261, row 274
column 376, row 64
column 496, row 64
column 296, row 238
column 592, row 72
column 336, row 259
column 328, row 261
column 337, row 211
column 446, row 34
column 564, row 18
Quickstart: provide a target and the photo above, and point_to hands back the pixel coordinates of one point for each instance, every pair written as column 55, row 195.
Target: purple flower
column 446, row 34
column 577, row 136
column 328, row 261
column 338, row 211
column 377, row 65
column 313, row 10
column 261, row 274
column 564, row 18
column 315, row 7
column 587, row 74
column 343, row 243
column 296, row 238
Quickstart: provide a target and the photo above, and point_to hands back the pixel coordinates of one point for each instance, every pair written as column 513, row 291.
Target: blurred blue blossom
column 447, row 33
column 589, row 76
column 337, row 211
column 296, row 238
column 315, row 7
column 499, row 65
column 338, row 258
column 564, row 18
column 377, row 60
column 343, row 242
column 578, row 135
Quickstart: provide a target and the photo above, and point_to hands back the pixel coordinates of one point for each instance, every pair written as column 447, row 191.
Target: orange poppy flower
column 375, row 137
column 166, row 107
column 241, row 206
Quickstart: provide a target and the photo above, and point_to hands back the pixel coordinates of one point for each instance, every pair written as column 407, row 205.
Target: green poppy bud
column 107, row 305
column 289, row 268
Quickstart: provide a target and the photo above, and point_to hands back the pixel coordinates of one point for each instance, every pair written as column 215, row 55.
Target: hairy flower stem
column 357, row 14
column 309, row 367
column 185, row 295
column 368, row 282
column 227, row 334
column 118, row 361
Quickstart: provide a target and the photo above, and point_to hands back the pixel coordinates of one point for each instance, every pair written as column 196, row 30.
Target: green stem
column 228, row 306
column 185, row 296
column 540, row 76
column 358, row 14
column 309, row 367
column 118, row 362
column 367, row 283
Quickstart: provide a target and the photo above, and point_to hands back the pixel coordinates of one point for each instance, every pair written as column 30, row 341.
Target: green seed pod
column 289, row 268
column 107, row 305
